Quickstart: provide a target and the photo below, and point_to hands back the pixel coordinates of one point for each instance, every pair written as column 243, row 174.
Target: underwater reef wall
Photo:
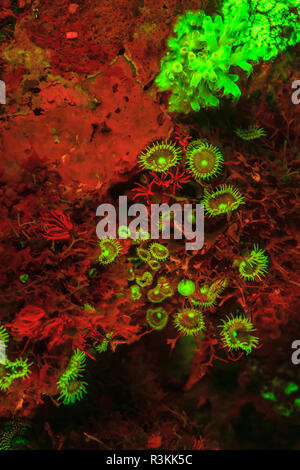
column 130, row 342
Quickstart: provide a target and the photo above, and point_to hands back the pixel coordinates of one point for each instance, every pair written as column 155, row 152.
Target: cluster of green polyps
column 154, row 254
column 70, row 386
column 270, row 25
column 197, row 69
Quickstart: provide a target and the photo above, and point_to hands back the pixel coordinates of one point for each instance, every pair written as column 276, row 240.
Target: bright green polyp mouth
column 204, row 163
column 222, row 206
column 161, row 161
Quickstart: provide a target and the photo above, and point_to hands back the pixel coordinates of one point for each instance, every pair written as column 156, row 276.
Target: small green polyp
column 291, row 388
column 24, row 278
column 186, row 287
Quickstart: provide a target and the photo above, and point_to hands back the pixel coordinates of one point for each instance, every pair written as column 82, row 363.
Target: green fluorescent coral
column 109, row 250
column 197, row 69
column 204, row 160
column 157, row 318
column 251, row 133
column 71, row 388
column 160, row 156
column 222, row 200
column 102, row 347
column 254, row 265
column 237, row 333
column 270, row 25
column 13, row 436
column 10, row 371
column 189, row 321
column 4, row 336
column 186, row 287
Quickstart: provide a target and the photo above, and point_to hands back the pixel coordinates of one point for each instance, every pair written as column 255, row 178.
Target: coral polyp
column 203, row 159
column 254, row 265
column 251, row 133
column 13, row 370
column 160, row 156
column 19, row 368
column 71, row 389
column 135, row 292
column 189, row 321
column 161, row 291
column 14, row 436
column 110, row 249
column 222, row 200
column 154, row 264
column 237, row 333
column 204, row 296
column 143, row 253
column 218, row 286
column 144, row 280
column 159, row 251
column 157, row 318
column 186, row 287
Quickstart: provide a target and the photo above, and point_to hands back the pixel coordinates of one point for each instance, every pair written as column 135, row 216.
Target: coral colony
column 148, row 179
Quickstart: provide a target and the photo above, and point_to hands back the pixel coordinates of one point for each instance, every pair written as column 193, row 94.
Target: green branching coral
column 71, row 388
column 254, row 264
column 197, row 69
column 237, row 333
column 157, row 318
column 160, row 156
column 222, row 200
column 251, row 133
column 189, row 321
column 270, row 25
column 204, row 160
column 109, row 250
column 14, row 436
